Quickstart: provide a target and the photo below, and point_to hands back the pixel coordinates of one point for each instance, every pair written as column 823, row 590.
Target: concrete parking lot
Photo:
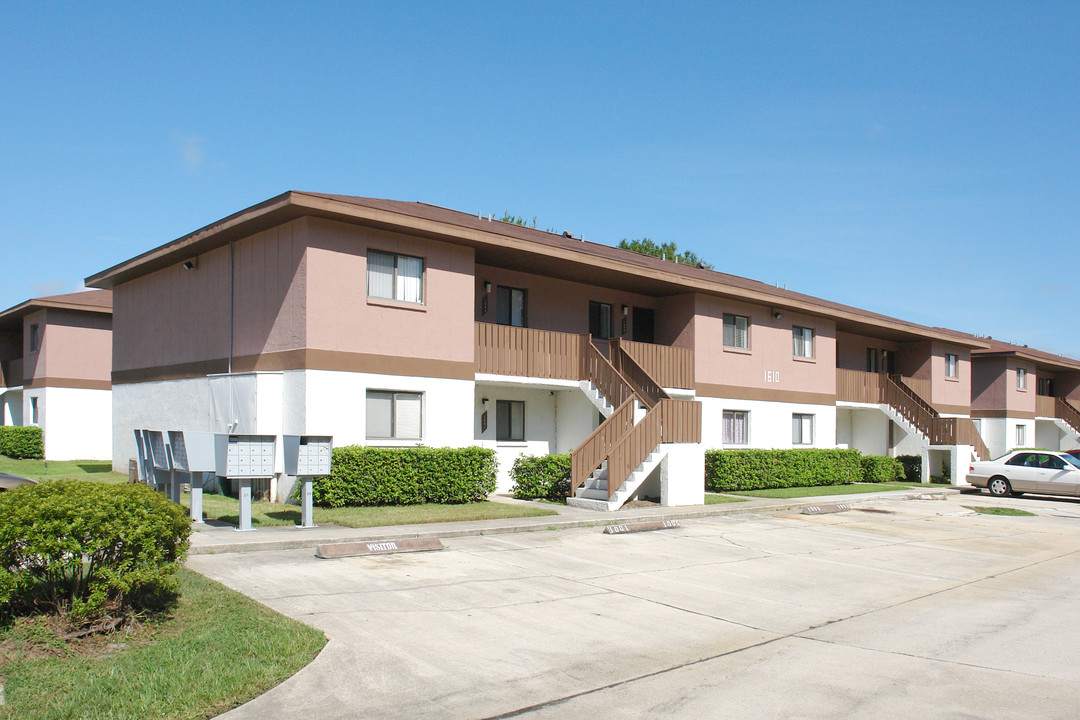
column 901, row 608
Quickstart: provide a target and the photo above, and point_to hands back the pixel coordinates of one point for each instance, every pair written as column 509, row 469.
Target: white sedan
column 1035, row 471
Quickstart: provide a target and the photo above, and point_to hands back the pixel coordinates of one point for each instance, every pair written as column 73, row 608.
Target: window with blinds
column 510, row 420
column 736, row 331
column 393, row 415
column 802, row 342
column 802, row 429
column 736, row 427
column 395, row 277
column 510, row 306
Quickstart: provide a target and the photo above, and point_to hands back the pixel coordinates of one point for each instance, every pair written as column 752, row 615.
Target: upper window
column 950, row 365
column 510, row 306
column 802, row 342
column 736, row 427
column 35, row 338
column 802, row 429
column 395, row 277
column 871, row 360
column 736, row 331
column 600, row 319
column 1021, row 378
column 393, row 415
column 510, row 420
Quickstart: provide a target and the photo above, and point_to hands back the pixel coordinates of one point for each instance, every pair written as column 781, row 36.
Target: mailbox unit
column 306, row 457
column 244, row 458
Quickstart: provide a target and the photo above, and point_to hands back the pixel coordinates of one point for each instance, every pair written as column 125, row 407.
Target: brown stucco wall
column 851, row 350
column 176, row 317
column 987, row 384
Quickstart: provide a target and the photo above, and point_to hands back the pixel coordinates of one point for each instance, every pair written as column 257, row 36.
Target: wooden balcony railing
column 590, row 454
column 671, row 367
column 680, row 421
column 858, row 386
column 1045, row 406
column 648, row 389
column 968, row 434
column 506, row 350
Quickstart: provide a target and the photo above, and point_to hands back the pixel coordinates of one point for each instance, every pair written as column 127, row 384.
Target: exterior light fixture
column 487, row 286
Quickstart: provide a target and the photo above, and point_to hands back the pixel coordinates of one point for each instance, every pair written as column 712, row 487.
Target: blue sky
column 916, row 159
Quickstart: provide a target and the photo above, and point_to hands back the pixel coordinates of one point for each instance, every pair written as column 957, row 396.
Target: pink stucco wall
column 340, row 317
column 950, row 394
column 1015, row 398
column 993, row 387
column 558, row 305
column 770, row 350
column 74, row 346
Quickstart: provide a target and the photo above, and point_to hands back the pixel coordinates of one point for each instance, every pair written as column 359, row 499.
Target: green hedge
column 878, row 468
column 406, row 476
column 86, row 548
column 22, row 442
column 912, row 467
column 762, row 469
column 544, row 476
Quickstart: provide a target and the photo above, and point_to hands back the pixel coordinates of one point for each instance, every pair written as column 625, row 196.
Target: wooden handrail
column 642, row 383
column 967, row 434
column 632, row 449
column 680, row 421
column 591, row 452
column 598, row 370
column 909, row 391
column 1065, row 410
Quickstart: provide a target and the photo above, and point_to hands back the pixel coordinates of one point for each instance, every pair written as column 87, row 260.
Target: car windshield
column 1072, row 460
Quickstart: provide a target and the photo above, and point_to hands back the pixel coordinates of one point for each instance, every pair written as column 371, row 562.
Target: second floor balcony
column 528, row 352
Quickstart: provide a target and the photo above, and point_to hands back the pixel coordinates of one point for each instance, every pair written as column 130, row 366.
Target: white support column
column 961, row 461
column 682, row 474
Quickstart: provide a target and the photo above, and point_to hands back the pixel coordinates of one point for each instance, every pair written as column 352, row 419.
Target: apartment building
column 391, row 323
column 1022, row 397
column 55, row 369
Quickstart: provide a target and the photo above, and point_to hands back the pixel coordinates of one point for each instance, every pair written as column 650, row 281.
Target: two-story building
column 394, row 323
column 55, row 372
column 1022, row 397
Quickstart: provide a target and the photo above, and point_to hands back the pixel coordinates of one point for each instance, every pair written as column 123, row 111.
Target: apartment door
column 643, row 325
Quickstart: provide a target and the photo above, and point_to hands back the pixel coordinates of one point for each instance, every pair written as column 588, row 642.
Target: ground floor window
column 510, row 420
column 736, row 427
column 394, row 415
column 34, row 417
column 1021, row 436
column 802, row 429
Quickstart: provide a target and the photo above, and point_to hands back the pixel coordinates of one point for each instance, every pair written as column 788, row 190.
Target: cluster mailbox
column 244, row 458
column 307, row 457
column 193, row 454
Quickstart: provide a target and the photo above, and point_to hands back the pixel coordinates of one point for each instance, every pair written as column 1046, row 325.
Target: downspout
column 231, row 293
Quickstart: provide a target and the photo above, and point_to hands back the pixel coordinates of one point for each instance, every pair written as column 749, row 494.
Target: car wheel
column 999, row 486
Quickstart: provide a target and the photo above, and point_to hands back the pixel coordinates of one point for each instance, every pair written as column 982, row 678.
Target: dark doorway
column 643, row 325
column 890, row 362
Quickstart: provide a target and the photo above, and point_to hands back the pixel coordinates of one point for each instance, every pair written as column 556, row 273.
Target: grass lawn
column 218, row 649
column 852, row 489
column 1015, row 512
column 97, row 470
column 226, row 509
column 716, row 499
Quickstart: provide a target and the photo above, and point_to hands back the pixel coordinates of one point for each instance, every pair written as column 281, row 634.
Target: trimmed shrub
column 22, row 442
column 878, row 468
column 912, row 467
column 543, row 476
column 406, row 476
column 727, row 470
column 85, row 548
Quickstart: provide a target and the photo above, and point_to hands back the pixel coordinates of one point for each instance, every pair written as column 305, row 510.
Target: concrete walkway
column 223, row 538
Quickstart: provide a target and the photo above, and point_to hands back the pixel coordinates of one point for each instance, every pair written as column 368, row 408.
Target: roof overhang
column 528, row 250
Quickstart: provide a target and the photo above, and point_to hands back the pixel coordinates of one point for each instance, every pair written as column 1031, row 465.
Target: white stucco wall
column 13, row 407
column 999, row 434
column 75, row 422
column 682, row 474
column 770, row 423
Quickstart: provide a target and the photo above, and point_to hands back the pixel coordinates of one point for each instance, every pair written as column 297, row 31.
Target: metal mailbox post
column 244, row 458
column 144, row 462
column 307, row 457
column 193, row 454
column 161, row 455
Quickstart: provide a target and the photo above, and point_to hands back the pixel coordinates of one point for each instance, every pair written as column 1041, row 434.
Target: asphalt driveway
column 923, row 610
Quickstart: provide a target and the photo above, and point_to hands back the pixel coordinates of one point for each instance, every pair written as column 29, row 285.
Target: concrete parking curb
column 224, row 540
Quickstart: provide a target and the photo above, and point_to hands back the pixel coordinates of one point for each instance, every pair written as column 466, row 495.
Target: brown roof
column 516, row 246
column 95, row 301
column 998, row 348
